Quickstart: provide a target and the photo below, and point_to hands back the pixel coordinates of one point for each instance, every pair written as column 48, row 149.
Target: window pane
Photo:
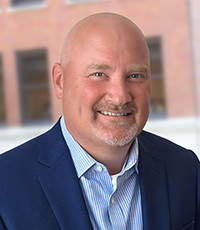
column 34, row 87
column 24, row 2
column 157, row 99
column 157, row 103
column 36, row 104
column 2, row 107
column 156, row 66
column 34, row 70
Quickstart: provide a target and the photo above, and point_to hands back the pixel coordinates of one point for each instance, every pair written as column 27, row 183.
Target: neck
column 113, row 158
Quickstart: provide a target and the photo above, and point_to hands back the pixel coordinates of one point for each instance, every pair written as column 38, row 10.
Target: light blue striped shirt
column 113, row 202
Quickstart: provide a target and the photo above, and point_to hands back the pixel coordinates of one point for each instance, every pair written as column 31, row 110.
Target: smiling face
column 105, row 82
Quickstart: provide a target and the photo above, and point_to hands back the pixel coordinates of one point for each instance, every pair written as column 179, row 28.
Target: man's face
column 106, row 90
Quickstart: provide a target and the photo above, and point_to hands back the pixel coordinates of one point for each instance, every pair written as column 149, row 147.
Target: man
column 96, row 168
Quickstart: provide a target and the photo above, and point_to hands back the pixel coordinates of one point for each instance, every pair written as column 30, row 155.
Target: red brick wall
column 46, row 28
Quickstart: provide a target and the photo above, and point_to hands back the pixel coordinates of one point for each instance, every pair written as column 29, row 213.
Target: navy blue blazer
column 39, row 188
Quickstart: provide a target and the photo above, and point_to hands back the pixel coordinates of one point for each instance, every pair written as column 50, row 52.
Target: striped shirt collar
column 83, row 161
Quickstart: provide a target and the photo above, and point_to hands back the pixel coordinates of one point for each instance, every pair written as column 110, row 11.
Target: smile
column 114, row 114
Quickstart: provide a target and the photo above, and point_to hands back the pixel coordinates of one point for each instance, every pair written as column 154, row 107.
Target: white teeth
column 113, row 114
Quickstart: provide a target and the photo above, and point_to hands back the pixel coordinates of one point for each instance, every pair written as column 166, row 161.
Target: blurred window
column 24, row 2
column 2, row 107
column 157, row 102
column 34, row 86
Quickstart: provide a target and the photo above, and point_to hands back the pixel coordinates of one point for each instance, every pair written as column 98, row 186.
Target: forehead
column 110, row 43
column 109, row 35
column 102, row 42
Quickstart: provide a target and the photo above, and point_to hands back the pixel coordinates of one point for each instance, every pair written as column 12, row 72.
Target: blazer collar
column 153, row 186
column 60, row 182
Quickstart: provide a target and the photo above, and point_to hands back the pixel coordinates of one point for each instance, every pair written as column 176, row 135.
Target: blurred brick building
column 31, row 37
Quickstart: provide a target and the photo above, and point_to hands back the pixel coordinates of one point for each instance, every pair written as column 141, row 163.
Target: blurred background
column 31, row 37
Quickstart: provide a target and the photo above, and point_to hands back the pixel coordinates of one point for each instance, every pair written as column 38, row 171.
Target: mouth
column 106, row 113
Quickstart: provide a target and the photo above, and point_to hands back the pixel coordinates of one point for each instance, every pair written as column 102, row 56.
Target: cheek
column 88, row 93
column 78, row 102
column 142, row 99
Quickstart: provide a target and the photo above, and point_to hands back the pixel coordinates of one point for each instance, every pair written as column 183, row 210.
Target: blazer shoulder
column 22, row 154
column 26, row 152
column 167, row 148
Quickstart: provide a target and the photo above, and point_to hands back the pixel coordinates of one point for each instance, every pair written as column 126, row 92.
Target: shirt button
column 112, row 200
column 99, row 169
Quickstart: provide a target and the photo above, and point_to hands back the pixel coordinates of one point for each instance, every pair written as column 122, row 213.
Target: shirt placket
column 115, row 213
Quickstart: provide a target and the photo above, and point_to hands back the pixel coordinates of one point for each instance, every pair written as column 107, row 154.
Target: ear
column 57, row 76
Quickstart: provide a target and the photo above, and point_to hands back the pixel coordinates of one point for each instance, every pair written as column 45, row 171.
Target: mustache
column 124, row 108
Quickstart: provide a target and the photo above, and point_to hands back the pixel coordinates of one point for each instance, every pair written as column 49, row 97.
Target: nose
column 118, row 92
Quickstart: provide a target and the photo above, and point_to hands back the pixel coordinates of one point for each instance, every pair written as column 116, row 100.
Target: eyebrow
column 140, row 68
column 134, row 68
column 98, row 67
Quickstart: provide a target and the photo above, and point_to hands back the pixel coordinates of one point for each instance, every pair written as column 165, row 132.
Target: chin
column 121, row 139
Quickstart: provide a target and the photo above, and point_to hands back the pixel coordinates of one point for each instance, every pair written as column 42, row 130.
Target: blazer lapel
column 153, row 185
column 60, row 183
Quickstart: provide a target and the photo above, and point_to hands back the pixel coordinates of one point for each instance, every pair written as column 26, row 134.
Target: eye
column 99, row 74
column 135, row 76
